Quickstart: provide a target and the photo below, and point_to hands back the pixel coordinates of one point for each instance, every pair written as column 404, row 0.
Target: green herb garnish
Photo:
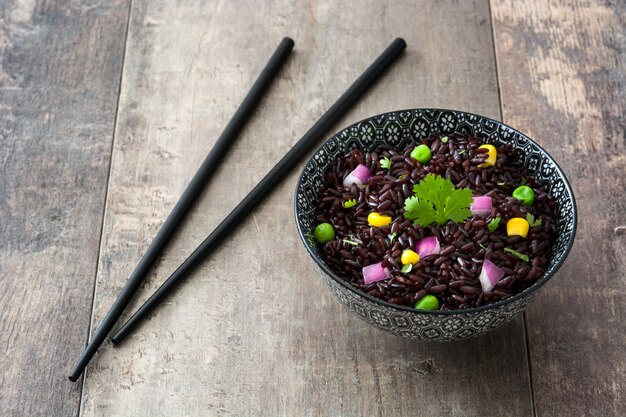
column 444, row 139
column 385, row 163
column 436, row 200
column 406, row 268
column 516, row 253
column 531, row 220
column 391, row 237
column 351, row 242
column 349, row 203
column 493, row 224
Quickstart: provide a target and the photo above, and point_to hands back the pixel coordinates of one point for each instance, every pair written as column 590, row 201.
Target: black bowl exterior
column 399, row 129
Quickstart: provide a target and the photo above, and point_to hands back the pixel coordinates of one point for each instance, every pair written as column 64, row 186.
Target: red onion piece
column 358, row 176
column 375, row 272
column 490, row 274
column 481, row 206
column 428, row 246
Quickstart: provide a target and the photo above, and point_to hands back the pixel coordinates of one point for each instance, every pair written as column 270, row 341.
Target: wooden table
column 107, row 109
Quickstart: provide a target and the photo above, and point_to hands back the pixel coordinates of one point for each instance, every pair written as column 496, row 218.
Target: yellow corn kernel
column 492, row 154
column 378, row 220
column 517, row 227
column 409, row 257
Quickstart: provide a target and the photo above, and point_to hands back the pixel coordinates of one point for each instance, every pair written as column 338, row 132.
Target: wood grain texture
column 60, row 69
column 254, row 331
column 562, row 67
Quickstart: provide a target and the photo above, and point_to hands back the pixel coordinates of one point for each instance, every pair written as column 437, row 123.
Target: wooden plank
column 254, row 331
column 60, row 69
column 563, row 80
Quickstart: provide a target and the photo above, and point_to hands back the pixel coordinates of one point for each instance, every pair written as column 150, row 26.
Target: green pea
column 422, row 154
column 324, row 232
column 526, row 194
column 427, row 302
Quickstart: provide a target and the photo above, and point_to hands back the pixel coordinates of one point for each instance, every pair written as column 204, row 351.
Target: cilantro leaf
column 406, row 268
column 436, row 200
column 444, row 139
column 516, row 253
column 457, row 205
column 349, row 203
column 385, row 162
column 434, row 189
column 493, row 224
column 419, row 211
column 531, row 220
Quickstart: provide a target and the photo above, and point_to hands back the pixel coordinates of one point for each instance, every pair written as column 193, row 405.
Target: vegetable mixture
column 448, row 223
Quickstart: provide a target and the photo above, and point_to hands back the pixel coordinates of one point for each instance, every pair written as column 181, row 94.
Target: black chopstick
column 263, row 188
column 205, row 171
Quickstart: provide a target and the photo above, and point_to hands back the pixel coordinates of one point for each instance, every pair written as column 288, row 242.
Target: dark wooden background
column 108, row 107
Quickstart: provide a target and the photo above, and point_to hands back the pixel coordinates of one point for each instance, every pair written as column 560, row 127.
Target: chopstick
column 223, row 143
column 262, row 189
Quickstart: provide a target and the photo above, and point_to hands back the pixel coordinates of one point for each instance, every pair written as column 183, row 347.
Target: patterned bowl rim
column 538, row 284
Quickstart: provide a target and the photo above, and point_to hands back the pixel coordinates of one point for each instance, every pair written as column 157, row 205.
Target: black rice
column 451, row 276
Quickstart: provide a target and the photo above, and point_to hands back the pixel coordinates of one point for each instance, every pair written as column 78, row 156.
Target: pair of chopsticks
column 262, row 189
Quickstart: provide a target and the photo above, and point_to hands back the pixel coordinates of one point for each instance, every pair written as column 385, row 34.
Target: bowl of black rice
column 434, row 224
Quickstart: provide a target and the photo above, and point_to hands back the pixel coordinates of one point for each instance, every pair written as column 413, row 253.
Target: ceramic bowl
column 398, row 129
